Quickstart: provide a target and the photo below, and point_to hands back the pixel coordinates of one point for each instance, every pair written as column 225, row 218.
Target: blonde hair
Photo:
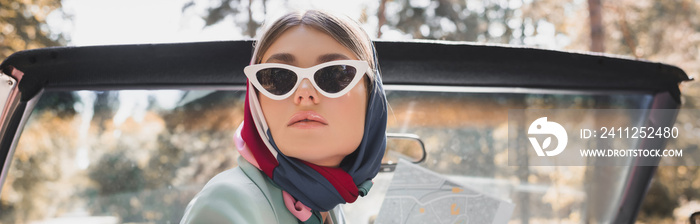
column 344, row 30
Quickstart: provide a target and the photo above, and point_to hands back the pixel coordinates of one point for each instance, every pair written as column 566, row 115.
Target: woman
column 314, row 126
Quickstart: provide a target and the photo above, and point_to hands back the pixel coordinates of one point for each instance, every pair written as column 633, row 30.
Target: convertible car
column 130, row 133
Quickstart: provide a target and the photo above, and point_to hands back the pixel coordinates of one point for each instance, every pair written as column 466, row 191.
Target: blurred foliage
column 38, row 169
column 144, row 169
column 224, row 8
column 60, row 103
column 23, row 25
column 116, row 175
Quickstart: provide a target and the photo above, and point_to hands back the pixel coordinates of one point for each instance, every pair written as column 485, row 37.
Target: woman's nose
column 306, row 93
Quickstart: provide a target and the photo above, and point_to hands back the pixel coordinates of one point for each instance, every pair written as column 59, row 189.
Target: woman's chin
column 313, row 154
column 331, row 161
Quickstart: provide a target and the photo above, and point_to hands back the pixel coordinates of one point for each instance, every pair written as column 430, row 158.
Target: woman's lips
column 307, row 119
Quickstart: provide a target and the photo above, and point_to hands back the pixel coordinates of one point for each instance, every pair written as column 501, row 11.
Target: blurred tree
column 596, row 24
column 665, row 31
column 41, row 170
column 381, row 17
column 151, row 174
column 509, row 22
column 451, row 20
column 23, row 25
column 118, row 179
column 217, row 13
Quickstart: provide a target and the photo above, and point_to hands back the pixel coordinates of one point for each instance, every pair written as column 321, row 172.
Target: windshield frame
column 463, row 66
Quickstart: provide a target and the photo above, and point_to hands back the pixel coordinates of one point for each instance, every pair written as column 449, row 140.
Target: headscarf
column 308, row 186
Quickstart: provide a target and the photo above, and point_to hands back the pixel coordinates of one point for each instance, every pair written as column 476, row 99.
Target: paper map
column 418, row 195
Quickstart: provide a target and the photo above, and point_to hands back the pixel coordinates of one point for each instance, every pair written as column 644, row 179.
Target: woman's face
column 339, row 124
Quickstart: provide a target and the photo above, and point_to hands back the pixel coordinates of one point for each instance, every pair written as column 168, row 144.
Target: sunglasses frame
column 361, row 68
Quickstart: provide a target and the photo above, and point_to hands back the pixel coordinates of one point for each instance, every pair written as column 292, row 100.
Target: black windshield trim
column 402, row 63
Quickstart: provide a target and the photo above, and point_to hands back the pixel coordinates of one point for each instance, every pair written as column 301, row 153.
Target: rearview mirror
column 402, row 146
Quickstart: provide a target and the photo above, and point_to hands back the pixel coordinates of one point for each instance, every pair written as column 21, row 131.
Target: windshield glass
column 142, row 155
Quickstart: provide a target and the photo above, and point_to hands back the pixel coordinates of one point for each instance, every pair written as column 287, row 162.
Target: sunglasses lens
column 333, row 79
column 277, row 81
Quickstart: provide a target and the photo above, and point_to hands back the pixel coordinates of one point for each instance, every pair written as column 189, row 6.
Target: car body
column 144, row 165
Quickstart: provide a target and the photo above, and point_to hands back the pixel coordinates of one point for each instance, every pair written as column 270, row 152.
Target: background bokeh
column 662, row 31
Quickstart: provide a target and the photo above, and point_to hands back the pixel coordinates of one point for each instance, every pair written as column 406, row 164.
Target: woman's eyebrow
column 331, row 57
column 282, row 57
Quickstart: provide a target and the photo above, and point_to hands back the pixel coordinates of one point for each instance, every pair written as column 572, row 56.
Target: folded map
column 418, row 195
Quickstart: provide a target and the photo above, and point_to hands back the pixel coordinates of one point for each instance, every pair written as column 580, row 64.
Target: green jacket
column 243, row 195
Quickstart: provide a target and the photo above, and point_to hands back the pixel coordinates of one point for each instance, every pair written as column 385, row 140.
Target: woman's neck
column 324, row 217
